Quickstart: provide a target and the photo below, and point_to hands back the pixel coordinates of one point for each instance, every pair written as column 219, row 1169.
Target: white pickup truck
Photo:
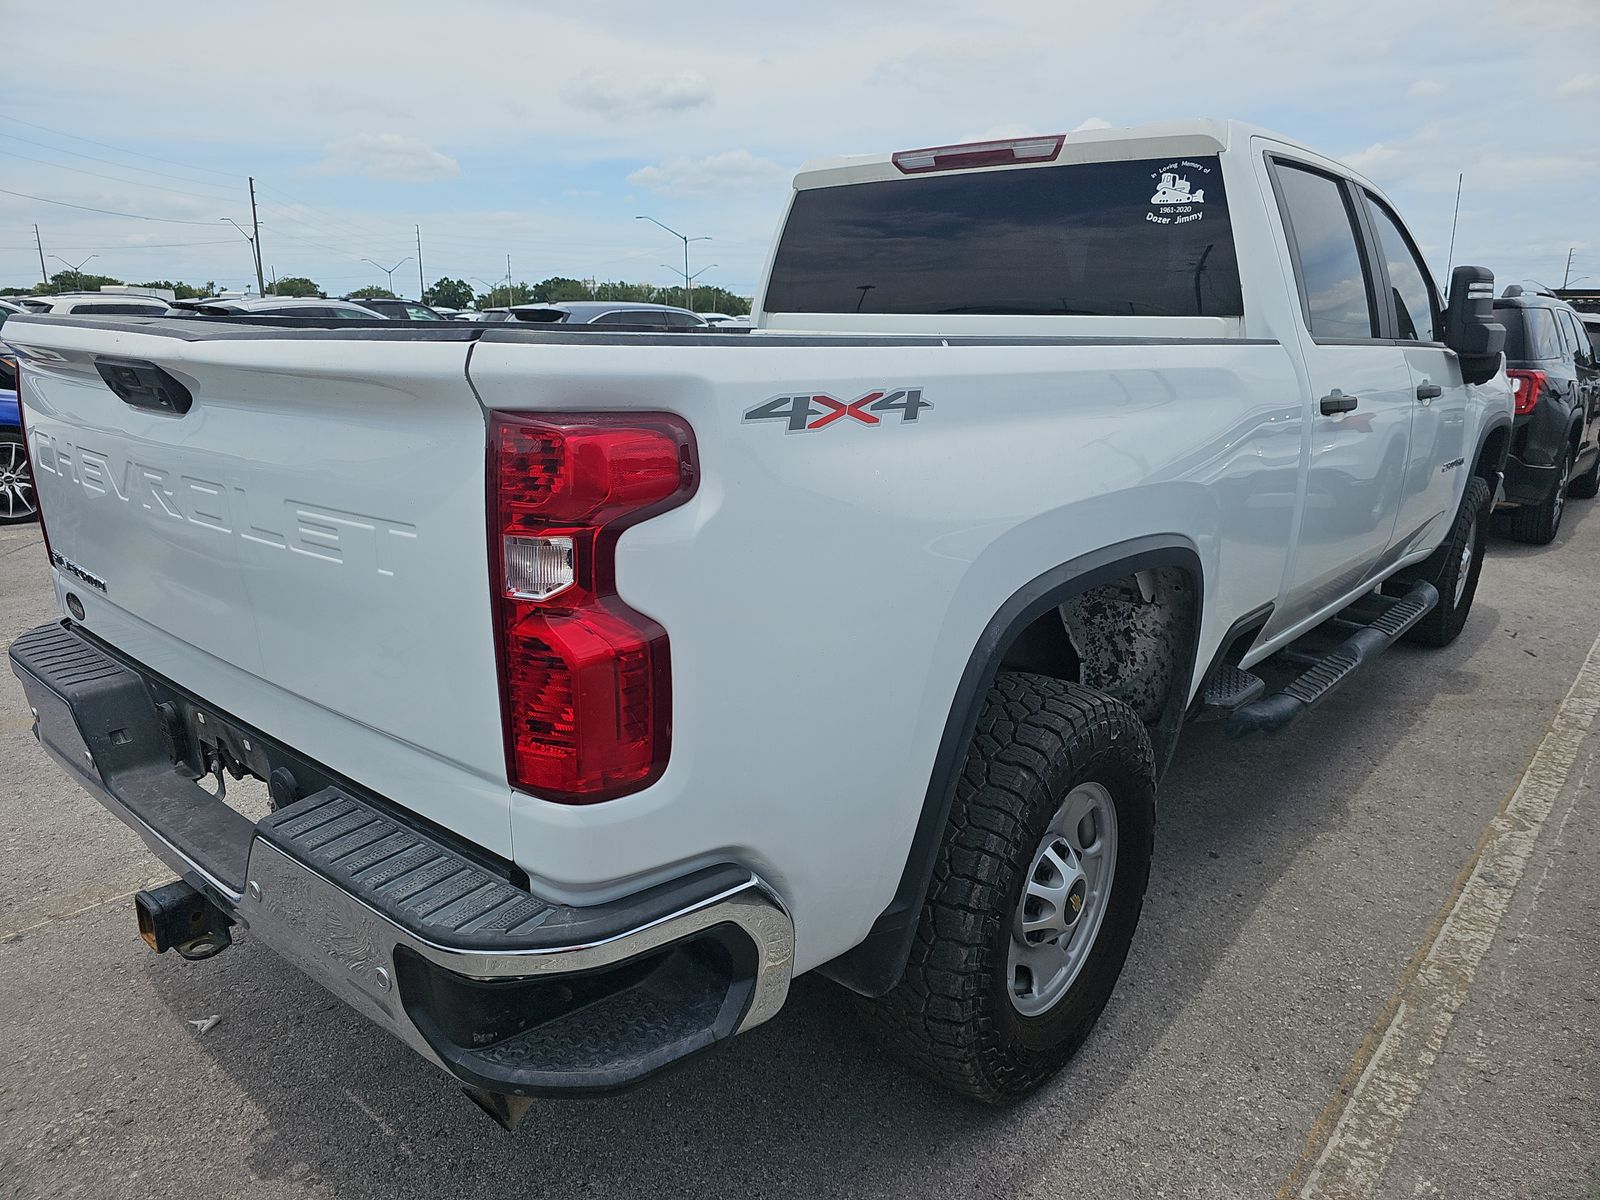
column 603, row 681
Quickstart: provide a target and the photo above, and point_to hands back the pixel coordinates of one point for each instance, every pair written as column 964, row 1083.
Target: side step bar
column 1397, row 615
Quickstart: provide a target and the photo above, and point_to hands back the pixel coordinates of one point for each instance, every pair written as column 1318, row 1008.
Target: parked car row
column 1551, row 359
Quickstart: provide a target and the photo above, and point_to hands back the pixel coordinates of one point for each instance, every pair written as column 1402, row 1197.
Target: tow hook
column 176, row 917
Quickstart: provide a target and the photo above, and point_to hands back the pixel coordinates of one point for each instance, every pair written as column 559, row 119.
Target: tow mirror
column 1469, row 325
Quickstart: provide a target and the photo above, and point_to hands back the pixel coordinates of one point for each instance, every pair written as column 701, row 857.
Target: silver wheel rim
column 16, row 482
column 1561, row 492
column 1464, row 568
column 1064, row 900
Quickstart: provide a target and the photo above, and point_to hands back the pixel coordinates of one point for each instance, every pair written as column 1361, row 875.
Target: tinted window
column 1338, row 304
column 1573, row 333
column 113, row 309
column 678, row 320
column 1144, row 238
column 8, row 375
column 418, row 313
column 1530, row 332
column 1408, row 278
column 1592, row 328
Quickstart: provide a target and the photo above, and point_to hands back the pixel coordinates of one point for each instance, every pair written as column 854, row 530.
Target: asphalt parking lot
column 1368, row 966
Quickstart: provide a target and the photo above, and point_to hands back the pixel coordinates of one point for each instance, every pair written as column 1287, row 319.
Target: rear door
column 1587, row 376
column 1409, row 311
column 1360, row 399
column 305, row 547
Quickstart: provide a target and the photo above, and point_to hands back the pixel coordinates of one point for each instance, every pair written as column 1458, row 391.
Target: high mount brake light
column 585, row 681
column 980, row 154
column 1526, row 388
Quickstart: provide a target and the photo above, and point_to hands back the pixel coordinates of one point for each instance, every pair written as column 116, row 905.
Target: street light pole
column 1567, row 274
column 76, row 270
column 697, row 274
column 389, row 271
column 688, row 279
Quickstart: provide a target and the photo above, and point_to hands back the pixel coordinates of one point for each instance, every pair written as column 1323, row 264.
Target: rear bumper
column 448, row 950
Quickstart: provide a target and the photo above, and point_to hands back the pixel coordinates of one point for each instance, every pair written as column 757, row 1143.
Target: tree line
column 445, row 293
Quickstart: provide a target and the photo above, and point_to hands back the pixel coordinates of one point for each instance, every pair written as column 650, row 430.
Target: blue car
column 17, row 501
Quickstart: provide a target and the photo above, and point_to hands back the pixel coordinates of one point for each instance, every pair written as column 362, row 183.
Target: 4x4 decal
column 818, row 411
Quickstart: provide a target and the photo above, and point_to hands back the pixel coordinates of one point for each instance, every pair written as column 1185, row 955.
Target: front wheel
column 17, row 500
column 1454, row 568
column 1036, row 891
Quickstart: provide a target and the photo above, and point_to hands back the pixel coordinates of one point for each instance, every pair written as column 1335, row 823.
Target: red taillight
column 1526, row 388
column 585, row 680
column 980, row 154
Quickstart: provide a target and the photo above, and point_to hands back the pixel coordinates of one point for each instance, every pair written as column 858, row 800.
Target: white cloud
column 1090, row 123
column 613, row 96
column 1580, row 85
column 716, row 173
column 1427, row 87
column 1373, row 156
column 393, row 157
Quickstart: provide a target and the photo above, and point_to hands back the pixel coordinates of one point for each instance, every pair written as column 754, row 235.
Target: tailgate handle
column 144, row 385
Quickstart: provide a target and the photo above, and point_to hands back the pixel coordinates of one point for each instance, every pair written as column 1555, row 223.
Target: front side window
column 417, row 313
column 1338, row 301
column 1150, row 237
column 1414, row 306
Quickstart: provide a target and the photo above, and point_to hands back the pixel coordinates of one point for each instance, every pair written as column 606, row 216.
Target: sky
column 543, row 131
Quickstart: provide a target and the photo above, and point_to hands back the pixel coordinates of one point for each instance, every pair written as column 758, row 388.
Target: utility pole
column 1565, row 275
column 37, row 241
column 255, row 242
column 421, row 286
column 508, row 281
column 688, row 279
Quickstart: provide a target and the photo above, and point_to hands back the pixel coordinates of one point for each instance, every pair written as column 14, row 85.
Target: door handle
column 1336, row 402
column 1427, row 392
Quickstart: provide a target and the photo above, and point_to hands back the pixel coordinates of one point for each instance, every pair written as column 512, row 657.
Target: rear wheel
column 17, row 500
column 1454, row 568
column 1036, row 891
column 1539, row 523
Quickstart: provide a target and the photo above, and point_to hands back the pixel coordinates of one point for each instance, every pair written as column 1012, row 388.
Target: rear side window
column 1338, row 301
column 103, row 309
column 1534, row 336
column 1414, row 306
column 1143, row 238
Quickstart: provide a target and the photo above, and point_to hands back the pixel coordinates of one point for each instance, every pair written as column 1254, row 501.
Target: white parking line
column 1395, row 1060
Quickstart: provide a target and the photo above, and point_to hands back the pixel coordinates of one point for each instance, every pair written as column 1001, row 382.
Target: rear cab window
column 1148, row 237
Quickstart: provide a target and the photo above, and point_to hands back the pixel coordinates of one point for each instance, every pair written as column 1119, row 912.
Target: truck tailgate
column 303, row 548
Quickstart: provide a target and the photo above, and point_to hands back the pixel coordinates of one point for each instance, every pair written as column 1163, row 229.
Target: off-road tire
column 1538, row 524
column 1444, row 566
column 951, row 1015
column 1587, row 485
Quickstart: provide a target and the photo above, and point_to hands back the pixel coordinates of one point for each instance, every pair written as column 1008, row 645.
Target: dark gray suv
column 1555, row 442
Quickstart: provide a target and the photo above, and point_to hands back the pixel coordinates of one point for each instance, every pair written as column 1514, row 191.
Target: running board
column 1311, row 688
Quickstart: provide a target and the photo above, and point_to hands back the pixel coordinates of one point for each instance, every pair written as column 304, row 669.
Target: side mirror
column 1469, row 325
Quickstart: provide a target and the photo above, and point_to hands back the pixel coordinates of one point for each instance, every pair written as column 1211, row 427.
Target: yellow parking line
column 1352, row 1141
